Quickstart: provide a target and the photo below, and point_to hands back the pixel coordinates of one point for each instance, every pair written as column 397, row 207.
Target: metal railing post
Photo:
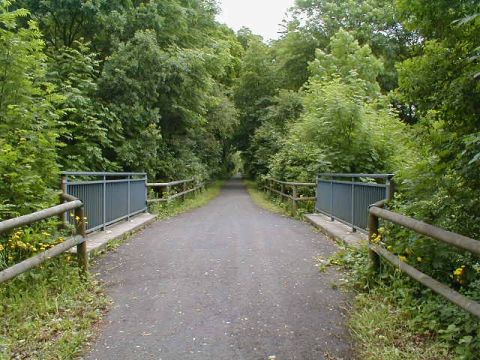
column 128, row 200
column 353, row 205
column 146, row 191
column 104, row 202
column 331, row 199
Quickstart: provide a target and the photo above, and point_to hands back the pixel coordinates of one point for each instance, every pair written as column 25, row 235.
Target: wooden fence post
column 63, row 217
column 391, row 189
column 167, row 190
column 282, row 191
column 82, row 254
column 294, row 199
column 184, row 196
column 372, row 234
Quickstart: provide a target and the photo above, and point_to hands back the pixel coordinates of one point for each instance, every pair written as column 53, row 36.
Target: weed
column 49, row 312
column 178, row 206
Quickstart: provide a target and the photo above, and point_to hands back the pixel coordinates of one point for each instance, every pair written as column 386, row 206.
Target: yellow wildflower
column 419, row 259
column 1, row 247
column 459, row 271
column 21, row 244
column 403, row 258
column 376, row 238
column 45, row 233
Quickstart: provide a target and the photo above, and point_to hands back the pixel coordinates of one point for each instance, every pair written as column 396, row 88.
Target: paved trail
column 225, row 281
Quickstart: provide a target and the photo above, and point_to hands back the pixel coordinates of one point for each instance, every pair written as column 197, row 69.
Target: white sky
column 261, row 16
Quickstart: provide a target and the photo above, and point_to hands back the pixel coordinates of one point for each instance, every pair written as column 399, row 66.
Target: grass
column 178, row 206
column 262, row 199
column 50, row 313
column 273, row 203
column 381, row 328
column 382, row 331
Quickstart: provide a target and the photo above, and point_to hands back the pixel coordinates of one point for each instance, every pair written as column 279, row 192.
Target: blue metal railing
column 347, row 197
column 107, row 197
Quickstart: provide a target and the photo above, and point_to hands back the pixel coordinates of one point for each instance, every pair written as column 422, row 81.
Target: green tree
column 372, row 22
column 254, row 91
column 87, row 127
column 27, row 117
column 345, row 120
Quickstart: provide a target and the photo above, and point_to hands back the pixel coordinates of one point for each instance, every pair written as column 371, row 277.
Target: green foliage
column 267, row 141
column 345, row 122
column 254, row 90
column 178, row 206
column 372, row 22
column 48, row 313
column 428, row 319
column 27, row 117
column 87, row 127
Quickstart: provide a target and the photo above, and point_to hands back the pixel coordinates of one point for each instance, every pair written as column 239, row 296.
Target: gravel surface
column 225, row 281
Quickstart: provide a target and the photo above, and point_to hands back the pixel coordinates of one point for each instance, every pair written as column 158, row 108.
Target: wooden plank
column 39, row 215
column 36, row 260
column 290, row 183
column 156, row 200
column 172, row 183
column 80, row 226
column 457, row 240
column 175, row 196
column 280, row 193
column 305, row 198
column 468, row 305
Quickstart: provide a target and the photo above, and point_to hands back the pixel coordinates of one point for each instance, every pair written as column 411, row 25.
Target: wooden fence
column 174, row 189
column 377, row 212
column 279, row 187
column 76, row 240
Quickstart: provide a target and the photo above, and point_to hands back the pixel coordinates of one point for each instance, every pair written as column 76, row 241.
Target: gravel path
column 225, row 281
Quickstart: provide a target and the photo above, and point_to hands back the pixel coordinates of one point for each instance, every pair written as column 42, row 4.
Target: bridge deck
column 225, row 281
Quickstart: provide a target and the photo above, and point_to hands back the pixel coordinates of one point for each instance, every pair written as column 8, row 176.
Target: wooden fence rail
column 168, row 186
column 76, row 240
column 377, row 212
column 294, row 197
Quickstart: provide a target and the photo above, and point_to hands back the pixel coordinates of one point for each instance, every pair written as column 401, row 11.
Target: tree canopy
column 160, row 86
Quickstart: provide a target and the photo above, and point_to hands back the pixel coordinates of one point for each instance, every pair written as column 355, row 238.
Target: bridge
column 229, row 280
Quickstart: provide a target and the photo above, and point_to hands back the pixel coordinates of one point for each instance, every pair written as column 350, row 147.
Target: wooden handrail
column 448, row 237
column 172, row 183
column 168, row 185
column 10, row 224
column 292, row 183
column 77, row 240
column 294, row 197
